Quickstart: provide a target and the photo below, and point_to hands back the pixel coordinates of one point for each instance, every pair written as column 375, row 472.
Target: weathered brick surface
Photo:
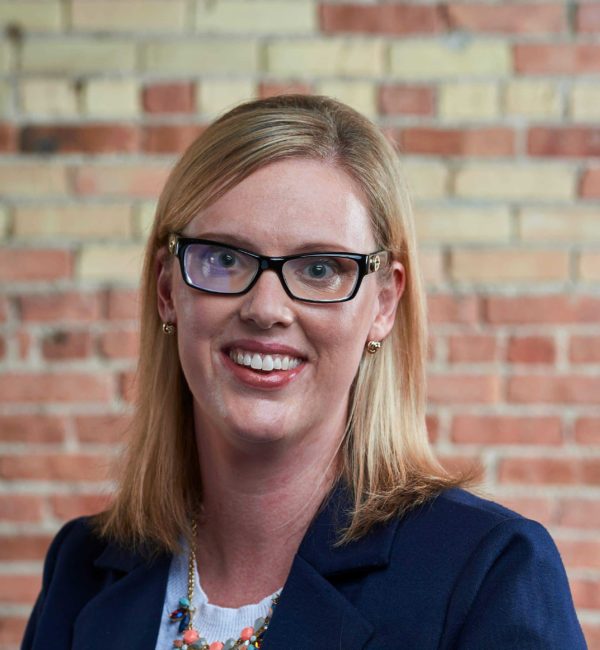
column 493, row 108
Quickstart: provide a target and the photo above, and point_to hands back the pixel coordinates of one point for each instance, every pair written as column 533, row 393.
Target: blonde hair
column 386, row 460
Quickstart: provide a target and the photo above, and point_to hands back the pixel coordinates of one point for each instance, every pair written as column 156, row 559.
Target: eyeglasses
column 218, row 268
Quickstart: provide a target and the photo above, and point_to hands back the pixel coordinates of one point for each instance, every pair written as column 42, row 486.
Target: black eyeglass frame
column 367, row 263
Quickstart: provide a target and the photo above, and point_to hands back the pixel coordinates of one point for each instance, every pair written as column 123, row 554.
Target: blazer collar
column 311, row 613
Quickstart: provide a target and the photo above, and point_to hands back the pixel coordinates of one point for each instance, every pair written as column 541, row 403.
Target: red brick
column 169, row 138
column 123, row 304
column 19, row 589
column 24, row 342
column 591, row 633
column 145, row 181
column 80, row 138
column 3, row 308
column 107, row 429
column 2, row 347
column 11, row 631
column 584, row 349
column 463, row 389
column 446, row 308
column 586, row 593
column 579, row 513
column 169, row 98
column 380, row 19
column 32, row 428
column 588, row 17
column 68, row 506
column 24, row 547
column 579, row 553
column 433, row 426
column 541, row 309
column 564, row 58
column 590, row 184
column 506, row 430
column 8, row 138
column 573, row 142
column 61, row 307
column 127, row 386
column 20, row 507
column 472, row 348
column 406, row 100
column 39, row 264
column 531, row 349
column 543, row 389
column 508, row 19
column 55, row 387
column 67, row 345
column 535, row 508
column 587, row 431
column 498, row 141
column 556, row 471
column 272, row 88
column 54, row 467
column 121, row 344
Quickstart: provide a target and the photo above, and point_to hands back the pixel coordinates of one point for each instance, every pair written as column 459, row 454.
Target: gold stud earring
column 169, row 328
column 373, row 347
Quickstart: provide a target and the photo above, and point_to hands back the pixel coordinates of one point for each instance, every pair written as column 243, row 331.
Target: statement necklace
column 250, row 638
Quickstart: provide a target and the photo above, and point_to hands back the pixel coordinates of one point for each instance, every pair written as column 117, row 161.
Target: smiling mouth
column 264, row 362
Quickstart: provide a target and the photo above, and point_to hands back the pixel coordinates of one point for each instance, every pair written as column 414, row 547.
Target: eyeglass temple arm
column 376, row 260
column 173, row 244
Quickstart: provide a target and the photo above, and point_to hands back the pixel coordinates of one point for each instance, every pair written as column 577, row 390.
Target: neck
column 257, row 506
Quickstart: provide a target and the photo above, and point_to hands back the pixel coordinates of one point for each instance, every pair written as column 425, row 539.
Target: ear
column 388, row 298
column 164, row 285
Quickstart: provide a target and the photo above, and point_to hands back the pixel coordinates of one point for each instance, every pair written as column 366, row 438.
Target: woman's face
column 291, row 206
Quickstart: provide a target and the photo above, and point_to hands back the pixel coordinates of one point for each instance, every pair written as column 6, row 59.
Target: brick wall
column 496, row 108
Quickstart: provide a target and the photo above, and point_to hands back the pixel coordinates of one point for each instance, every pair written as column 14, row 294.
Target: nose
column 267, row 304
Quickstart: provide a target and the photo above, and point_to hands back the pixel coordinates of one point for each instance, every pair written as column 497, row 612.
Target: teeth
column 266, row 362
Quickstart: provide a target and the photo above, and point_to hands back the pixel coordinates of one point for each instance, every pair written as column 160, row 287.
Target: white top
column 214, row 623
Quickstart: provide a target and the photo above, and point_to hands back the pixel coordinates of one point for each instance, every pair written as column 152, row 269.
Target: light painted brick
column 31, row 16
column 361, row 95
column 110, row 263
column 463, row 224
column 56, row 97
column 202, row 56
column 112, row 97
column 76, row 55
column 589, row 266
column 143, row 218
column 7, row 59
column 428, row 59
column 79, row 221
column 512, row 181
column 468, row 101
column 259, row 16
column 509, row 265
column 4, row 222
column 431, row 265
column 564, row 224
column 5, row 93
column 532, row 99
column 425, row 180
column 585, row 102
column 216, row 95
column 33, row 179
column 326, row 57
column 130, row 16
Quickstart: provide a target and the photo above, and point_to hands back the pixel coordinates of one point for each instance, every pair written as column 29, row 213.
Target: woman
column 278, row 491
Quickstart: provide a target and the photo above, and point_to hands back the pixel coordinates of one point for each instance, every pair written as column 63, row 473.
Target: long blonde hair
column 387, row 462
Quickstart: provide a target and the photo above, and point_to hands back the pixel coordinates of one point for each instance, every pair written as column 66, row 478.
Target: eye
column 318, row 270
column 223, row 258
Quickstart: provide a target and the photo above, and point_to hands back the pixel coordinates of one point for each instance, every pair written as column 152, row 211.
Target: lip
column 273, row 380
column 264, row 347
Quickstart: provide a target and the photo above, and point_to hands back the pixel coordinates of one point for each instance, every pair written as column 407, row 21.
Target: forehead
column 288, row 205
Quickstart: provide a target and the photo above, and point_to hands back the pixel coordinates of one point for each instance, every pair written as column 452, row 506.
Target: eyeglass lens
column 225, row 270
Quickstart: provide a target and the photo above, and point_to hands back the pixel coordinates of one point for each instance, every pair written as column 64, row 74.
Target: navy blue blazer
column 460, row 572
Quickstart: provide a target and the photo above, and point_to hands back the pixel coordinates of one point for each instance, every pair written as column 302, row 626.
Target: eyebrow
column 241, row 242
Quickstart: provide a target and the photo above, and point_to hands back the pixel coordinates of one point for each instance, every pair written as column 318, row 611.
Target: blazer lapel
column 312, row 611
column 127, row 613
